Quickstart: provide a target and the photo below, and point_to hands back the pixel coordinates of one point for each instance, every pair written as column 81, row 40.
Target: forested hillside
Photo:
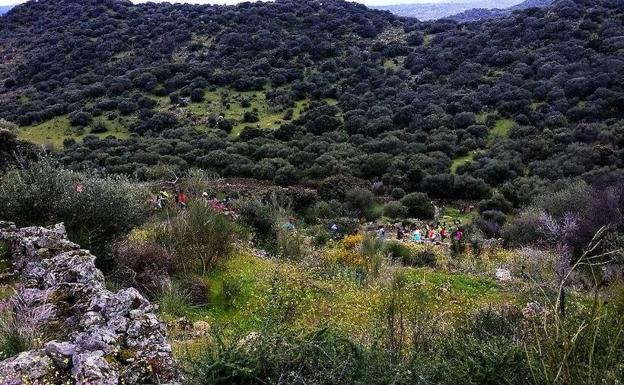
column 312, row 192
column 297, row 91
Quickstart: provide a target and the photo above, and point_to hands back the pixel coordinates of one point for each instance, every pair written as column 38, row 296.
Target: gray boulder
column 105, row 338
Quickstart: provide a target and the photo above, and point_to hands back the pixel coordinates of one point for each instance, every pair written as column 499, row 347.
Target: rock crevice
column 102, row 337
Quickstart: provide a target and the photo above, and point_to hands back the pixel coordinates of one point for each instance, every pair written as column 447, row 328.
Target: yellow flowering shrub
column 345, row 257
column 346, row 252
column 352, row 242
column 141, row 235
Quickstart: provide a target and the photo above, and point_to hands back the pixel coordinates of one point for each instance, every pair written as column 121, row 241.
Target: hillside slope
column 296, row 91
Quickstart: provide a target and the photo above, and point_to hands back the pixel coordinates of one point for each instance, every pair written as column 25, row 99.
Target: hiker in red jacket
column 181, row 199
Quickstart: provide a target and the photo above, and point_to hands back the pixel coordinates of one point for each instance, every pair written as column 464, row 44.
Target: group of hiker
column 438, row 233
column 163, row 197
column 181, row 201
column 435, row 234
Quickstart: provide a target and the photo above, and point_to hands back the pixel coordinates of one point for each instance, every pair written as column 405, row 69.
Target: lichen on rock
column 99, row 328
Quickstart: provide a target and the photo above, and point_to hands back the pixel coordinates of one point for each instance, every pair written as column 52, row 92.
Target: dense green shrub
column 44, row 193
column 398, row 251
column 490, row 323
column 327, row 210
column 326, row 357
column 395, row 210
column 464, row 360
column 197, row 95
column 250, row 117
column 409, row 256
column 523, row 229
column 5, row 250
column 476, row 242
column 397, row 193
column 490, row 222
column 418, row 205
column 261, row 217
column 199, row 238
column 359, row 200
column 195, row 290
column 323, row 357
column 143, row 264
column 337, row 187
column 291, row 245
column 424, row 257
column 80, row 118
column 496, row 202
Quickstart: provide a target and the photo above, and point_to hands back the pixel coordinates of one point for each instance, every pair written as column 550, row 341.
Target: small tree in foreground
column 199, row 238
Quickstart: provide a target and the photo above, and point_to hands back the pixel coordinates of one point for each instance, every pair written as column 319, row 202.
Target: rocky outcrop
column 101, row 337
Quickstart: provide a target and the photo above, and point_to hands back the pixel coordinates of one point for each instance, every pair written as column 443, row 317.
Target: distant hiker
column 334, row 230
column 181, row 199
column 205, row 198
column 217, row 206
column 160, row 201
column 381, row 232
column 431, row 234
column 459, row 234
column 417, row 236
column 438, row 234
column 400, row 233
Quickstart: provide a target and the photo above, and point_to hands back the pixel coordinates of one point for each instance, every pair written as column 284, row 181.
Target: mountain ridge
column 492, row 13
column 433, row 11
column 5, row 8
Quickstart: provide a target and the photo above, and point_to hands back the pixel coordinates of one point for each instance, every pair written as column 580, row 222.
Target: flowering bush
column 357, row 251
column 346, row 252
column 351, row 242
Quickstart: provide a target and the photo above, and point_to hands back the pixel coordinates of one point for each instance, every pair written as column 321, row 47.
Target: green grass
column 56, row 130
column 461, row 161
column 501, row 129
column 452, row 213
column 330, row 101
column 396, row 62
column 535, row 105
column 462, row 287
column 428, row 39
column 481, row 117
column 308, row 299
column 376, row 209
column 6, row 292
column 270, row 117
